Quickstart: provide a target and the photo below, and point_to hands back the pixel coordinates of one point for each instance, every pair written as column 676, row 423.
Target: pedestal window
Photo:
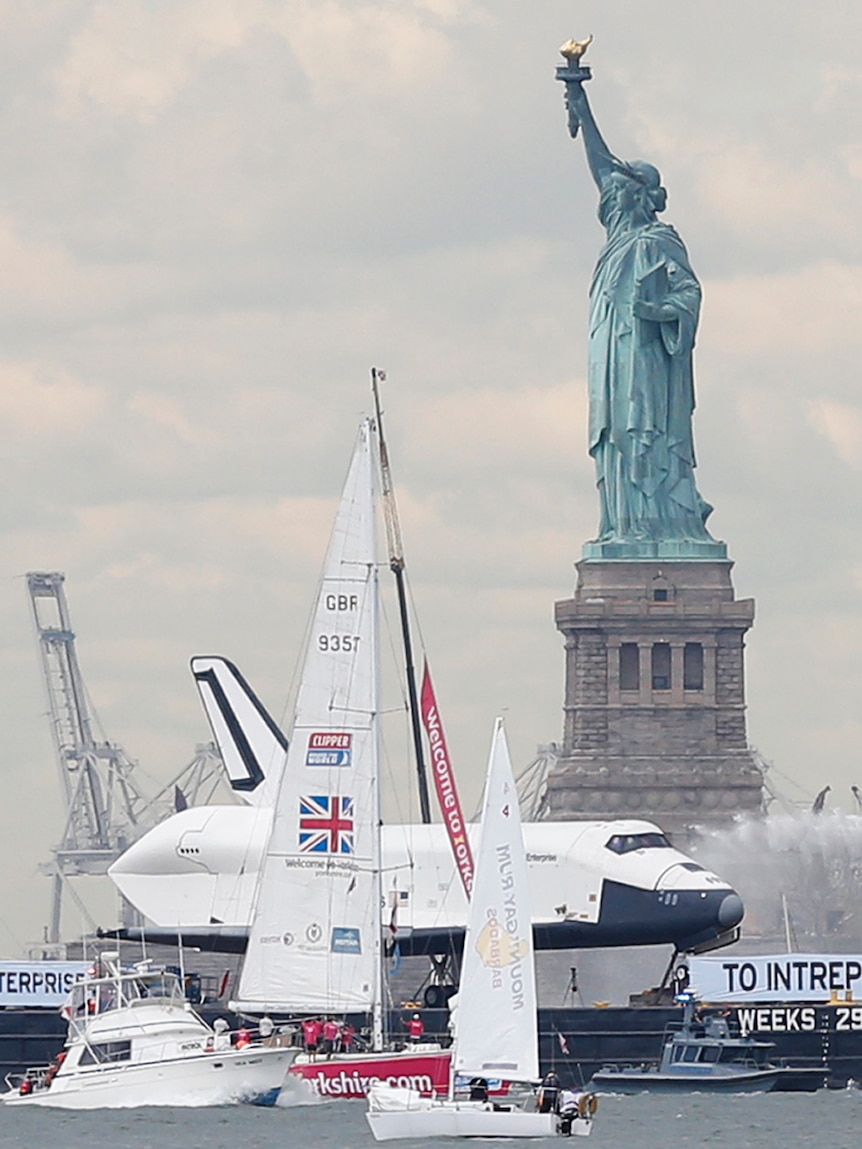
column 693, row 666
column 629, row 666
column 661, row 674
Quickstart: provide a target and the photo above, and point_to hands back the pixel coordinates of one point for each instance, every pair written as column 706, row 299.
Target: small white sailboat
column 495, row 1028
column 134, row 1040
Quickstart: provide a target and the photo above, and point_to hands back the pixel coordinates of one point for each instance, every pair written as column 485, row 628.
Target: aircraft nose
column 730, row 911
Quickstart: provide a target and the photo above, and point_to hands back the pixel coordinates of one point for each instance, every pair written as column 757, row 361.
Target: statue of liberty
column 644, row 308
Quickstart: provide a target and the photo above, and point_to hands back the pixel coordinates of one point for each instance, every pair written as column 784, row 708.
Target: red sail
column 444, row 782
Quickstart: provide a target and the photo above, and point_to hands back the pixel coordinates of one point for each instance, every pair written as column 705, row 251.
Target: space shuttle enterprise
column 603, row 883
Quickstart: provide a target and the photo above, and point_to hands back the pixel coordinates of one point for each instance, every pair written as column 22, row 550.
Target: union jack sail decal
column 326, row 824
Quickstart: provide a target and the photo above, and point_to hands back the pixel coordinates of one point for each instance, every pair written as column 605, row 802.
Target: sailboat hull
column 395, row 1114
column 351, row 1076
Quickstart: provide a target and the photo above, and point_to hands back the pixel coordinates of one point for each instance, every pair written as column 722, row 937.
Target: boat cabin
column 706, row 1045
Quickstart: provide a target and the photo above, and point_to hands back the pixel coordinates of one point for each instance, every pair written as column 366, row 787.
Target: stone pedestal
column 655, row 696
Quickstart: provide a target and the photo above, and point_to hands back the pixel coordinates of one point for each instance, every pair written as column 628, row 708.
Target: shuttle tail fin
column 252, row 746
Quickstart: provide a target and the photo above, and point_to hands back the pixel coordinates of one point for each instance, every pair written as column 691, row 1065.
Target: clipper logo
column 329, row 749
column 326, row 824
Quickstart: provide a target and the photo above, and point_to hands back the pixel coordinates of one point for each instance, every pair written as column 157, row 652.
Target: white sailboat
column 316, row 944
column 313, row 946
column 496, row 1032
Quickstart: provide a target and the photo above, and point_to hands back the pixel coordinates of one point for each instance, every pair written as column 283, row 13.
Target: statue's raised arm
column 644, row 309
column 601, row 159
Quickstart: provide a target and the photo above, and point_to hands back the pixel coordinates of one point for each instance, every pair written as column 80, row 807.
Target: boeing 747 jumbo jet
column 593, row 883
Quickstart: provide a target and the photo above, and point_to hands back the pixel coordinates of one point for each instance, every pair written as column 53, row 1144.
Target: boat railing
column 700, row 1030
column 645, row 1066
column 37, row 1076
column 97, row 996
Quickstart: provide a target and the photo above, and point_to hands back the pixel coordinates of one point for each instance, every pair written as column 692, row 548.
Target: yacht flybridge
column 134, row 1040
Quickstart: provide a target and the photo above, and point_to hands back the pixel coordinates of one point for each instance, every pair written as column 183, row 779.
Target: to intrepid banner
column 776, row 977
column 444, row 782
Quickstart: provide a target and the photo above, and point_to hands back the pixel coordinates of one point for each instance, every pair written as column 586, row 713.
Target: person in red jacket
column 415, row 1028
column 312, row 1028
column 331, row 1030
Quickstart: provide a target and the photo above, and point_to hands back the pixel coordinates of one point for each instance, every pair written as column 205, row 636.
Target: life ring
column 588, row 1105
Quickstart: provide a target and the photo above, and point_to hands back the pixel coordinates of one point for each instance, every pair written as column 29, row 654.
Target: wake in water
column 297, row 1091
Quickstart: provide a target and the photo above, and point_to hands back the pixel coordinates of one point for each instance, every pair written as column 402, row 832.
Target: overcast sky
column 216, row 215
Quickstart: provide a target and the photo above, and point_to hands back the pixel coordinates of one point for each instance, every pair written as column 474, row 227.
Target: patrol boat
column 700, row 1054
column 134, row 1040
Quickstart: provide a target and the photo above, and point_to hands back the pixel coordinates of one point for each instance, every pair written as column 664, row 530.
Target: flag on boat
column 326, row 824
column 444, row 783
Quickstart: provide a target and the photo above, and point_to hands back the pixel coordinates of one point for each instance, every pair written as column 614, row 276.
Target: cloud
column 42, row 282
column 769, row 198
column 132, row 61
column 494, row 430
column 41, row 405
column 809, row 311
column 135, row 62
column 841, row 424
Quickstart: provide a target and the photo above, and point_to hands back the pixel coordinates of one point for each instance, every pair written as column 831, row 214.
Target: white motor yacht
column 134, row 1040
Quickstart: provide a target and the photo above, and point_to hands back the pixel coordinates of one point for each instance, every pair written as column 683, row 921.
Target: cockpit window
column 692, row 867
column 625, row 843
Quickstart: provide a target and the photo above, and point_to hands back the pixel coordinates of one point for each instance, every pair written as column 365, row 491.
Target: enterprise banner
column 776, row 977
column 38, row 984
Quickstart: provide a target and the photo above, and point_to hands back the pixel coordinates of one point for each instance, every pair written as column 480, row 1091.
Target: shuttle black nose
column 730, row 911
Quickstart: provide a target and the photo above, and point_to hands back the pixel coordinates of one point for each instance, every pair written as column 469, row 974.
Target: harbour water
column 690, row 1121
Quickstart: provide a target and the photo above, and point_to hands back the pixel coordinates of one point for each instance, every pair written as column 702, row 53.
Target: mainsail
column 315, row 939
column 495, row 1028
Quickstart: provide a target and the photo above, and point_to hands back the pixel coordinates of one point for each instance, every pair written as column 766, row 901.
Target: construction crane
column 532, row 783
column 105, row 808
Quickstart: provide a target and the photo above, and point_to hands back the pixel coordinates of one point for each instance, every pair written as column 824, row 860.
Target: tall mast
column 396, row 565
column 377, row 1027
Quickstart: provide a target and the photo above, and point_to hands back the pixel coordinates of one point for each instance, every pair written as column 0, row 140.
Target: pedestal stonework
column 655, row 696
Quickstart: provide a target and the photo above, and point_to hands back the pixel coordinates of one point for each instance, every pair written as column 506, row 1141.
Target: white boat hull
column 467, row 1120
column 252, row 1076
column 395, row 1113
